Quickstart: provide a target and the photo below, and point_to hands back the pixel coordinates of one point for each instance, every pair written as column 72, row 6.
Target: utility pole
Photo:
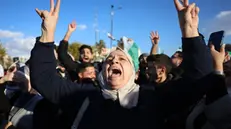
column 112, row 22
column 112, row 13
column 96, row 27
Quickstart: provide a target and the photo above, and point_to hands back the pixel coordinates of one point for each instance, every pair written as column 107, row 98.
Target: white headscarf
column 127, row 95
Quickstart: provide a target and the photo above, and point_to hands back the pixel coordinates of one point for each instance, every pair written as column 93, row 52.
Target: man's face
column 176, row 59
column 118, row 69
column 89, row 72
column 155, row 72
column 86, row 55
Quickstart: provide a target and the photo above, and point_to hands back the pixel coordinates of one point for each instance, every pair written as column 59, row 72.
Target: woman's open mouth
column 114, row 72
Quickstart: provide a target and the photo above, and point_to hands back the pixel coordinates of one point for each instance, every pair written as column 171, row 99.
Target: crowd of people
column 189, row 90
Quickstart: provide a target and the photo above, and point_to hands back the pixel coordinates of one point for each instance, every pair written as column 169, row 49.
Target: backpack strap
column 23, row 105
column 80, row 114
column 19, row 102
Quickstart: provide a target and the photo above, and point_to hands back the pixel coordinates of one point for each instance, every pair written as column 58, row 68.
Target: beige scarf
column 128, row 95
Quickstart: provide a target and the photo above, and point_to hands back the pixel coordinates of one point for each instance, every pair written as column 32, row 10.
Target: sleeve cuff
column 218, row 89
column 48, row 44
column 64, row 41
column 219, row 73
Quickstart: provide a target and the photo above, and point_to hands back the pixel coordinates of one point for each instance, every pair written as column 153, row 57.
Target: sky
column 19, row 23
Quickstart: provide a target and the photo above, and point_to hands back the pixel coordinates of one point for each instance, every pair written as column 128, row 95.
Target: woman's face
column 118, row 69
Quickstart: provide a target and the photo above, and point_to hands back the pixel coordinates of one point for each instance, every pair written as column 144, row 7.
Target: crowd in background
column 189, row 90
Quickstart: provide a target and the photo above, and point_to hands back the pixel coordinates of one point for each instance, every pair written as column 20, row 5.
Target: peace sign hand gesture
column 188, row 18
column 49, row 21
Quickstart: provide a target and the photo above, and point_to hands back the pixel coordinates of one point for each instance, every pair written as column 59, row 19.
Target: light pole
column 112, row 14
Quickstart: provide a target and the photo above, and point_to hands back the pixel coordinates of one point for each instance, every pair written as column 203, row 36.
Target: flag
column 110, row 36
column 133, row 50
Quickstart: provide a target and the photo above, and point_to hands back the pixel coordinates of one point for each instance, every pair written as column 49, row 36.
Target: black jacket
column 5, row 105
column 153, row 107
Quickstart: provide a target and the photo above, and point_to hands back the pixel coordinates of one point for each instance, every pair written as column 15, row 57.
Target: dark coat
column 153, row 107
column 5, row 105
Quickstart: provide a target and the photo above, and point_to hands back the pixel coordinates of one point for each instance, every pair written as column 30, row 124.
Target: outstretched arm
column 197, row 61
column 198, row 78
column 154, row 36
column 44, row 77
column 71, row 29
column 64, row 58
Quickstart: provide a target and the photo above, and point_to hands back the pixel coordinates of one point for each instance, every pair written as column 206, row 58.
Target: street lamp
column 112, row 14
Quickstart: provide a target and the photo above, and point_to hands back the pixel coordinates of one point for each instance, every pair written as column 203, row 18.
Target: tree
column 98, row 50
column 2, row 53
column 95, row 52
column 74, row 49
column 7, row 62
column 100, row 45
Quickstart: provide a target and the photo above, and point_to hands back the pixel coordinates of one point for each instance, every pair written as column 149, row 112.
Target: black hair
column 85, row 47
column 227, row 47
column 180, row 53
column 161, row 59
column 83, row 66
column 142, row 56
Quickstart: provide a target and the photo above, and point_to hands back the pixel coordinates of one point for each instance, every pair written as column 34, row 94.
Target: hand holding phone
column 216, row 39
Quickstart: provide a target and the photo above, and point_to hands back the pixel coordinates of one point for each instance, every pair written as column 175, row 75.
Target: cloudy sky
column 20, row 24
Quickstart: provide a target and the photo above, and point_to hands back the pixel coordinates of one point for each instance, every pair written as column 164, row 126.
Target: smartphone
column 216, row 39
